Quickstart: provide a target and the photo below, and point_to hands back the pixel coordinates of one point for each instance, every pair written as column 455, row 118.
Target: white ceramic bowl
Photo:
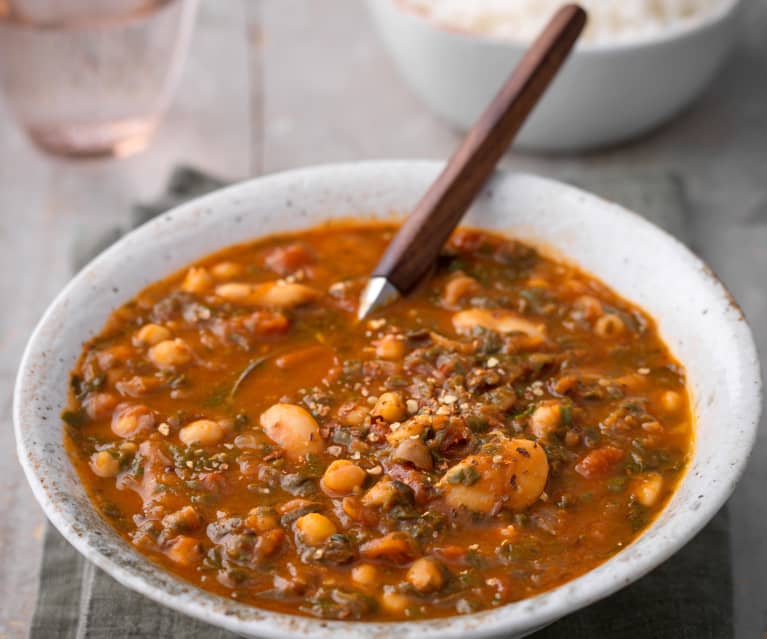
column 606, row 93
column 696, row 315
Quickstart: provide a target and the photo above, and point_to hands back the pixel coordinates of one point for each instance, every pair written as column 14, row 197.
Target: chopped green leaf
column 467, row 476
column 616, row 484
column 75, row 418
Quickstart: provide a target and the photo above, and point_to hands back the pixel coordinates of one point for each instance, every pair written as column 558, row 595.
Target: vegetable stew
column 508, row 427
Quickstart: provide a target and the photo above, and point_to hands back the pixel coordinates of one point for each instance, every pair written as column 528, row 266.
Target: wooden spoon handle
column 413, row 251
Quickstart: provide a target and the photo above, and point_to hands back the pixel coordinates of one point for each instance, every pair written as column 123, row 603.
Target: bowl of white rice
column 638, row 63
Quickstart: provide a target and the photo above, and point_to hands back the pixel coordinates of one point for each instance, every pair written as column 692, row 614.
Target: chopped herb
column 336, row 603
column 637, row 515
column 477, row 424
column 111, row 510
column 456, row 264
column 241, row 420
column 476, row 559
column 217, row 397
column 288, row 518
column 616, row 484
column 342, row 436
column 404, row 511
column 312, row 467
column 468, row 476
column 535, row 297
column 92, row 385
column 339, row 549
column 525, row 413
column 252, row 365
column 517, row 551
column 75, row 418
column 396, row 381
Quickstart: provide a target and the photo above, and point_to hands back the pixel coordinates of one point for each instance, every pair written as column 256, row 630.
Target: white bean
column 515, row 473
column 294, row 429
column 498, row 320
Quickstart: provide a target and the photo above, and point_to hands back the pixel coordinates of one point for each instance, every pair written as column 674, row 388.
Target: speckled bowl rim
column 110, row 553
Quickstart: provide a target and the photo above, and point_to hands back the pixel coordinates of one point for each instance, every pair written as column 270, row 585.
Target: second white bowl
column 604, row 94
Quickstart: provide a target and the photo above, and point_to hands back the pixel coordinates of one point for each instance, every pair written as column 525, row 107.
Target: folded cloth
column 688, row 597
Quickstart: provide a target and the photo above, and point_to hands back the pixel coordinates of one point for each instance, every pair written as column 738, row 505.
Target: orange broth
column 507, row 428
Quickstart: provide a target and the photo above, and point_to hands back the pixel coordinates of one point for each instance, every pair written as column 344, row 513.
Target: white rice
column 609, row 20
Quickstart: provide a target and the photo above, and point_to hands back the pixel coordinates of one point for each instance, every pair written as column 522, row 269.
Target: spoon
column 413, row 251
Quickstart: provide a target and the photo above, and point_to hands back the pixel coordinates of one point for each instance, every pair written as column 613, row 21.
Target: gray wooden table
column 275, row 84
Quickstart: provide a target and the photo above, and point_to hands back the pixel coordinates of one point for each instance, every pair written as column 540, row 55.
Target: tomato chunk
column 599, row 463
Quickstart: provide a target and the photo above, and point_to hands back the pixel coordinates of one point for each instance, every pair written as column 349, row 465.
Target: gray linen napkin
column 688, row 597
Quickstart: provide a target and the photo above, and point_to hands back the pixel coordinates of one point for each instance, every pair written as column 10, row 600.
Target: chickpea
column 185, row 551
column 671, row 401
column 170, row 353
column 343, row 477
column 395, row 602
column 261, row 519
column 390, row 347
column 294, row 429
column 100, row 405
column 151, row 334
column 652, row 427
column 426, row 575
column 545, row 419
column 409, row 429
column 648, row 489
column 381, row 495
column 609, row 325
column 352, row 414
column 390, row 407
column 365, row 574
column 129, row 421
column 572, row 439
column 203, row 432
column 315, row 529
column 105, row 464
column 226, row 270
column 197, row 280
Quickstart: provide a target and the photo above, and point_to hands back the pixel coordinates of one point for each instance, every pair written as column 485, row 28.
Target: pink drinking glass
column 90, row 78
